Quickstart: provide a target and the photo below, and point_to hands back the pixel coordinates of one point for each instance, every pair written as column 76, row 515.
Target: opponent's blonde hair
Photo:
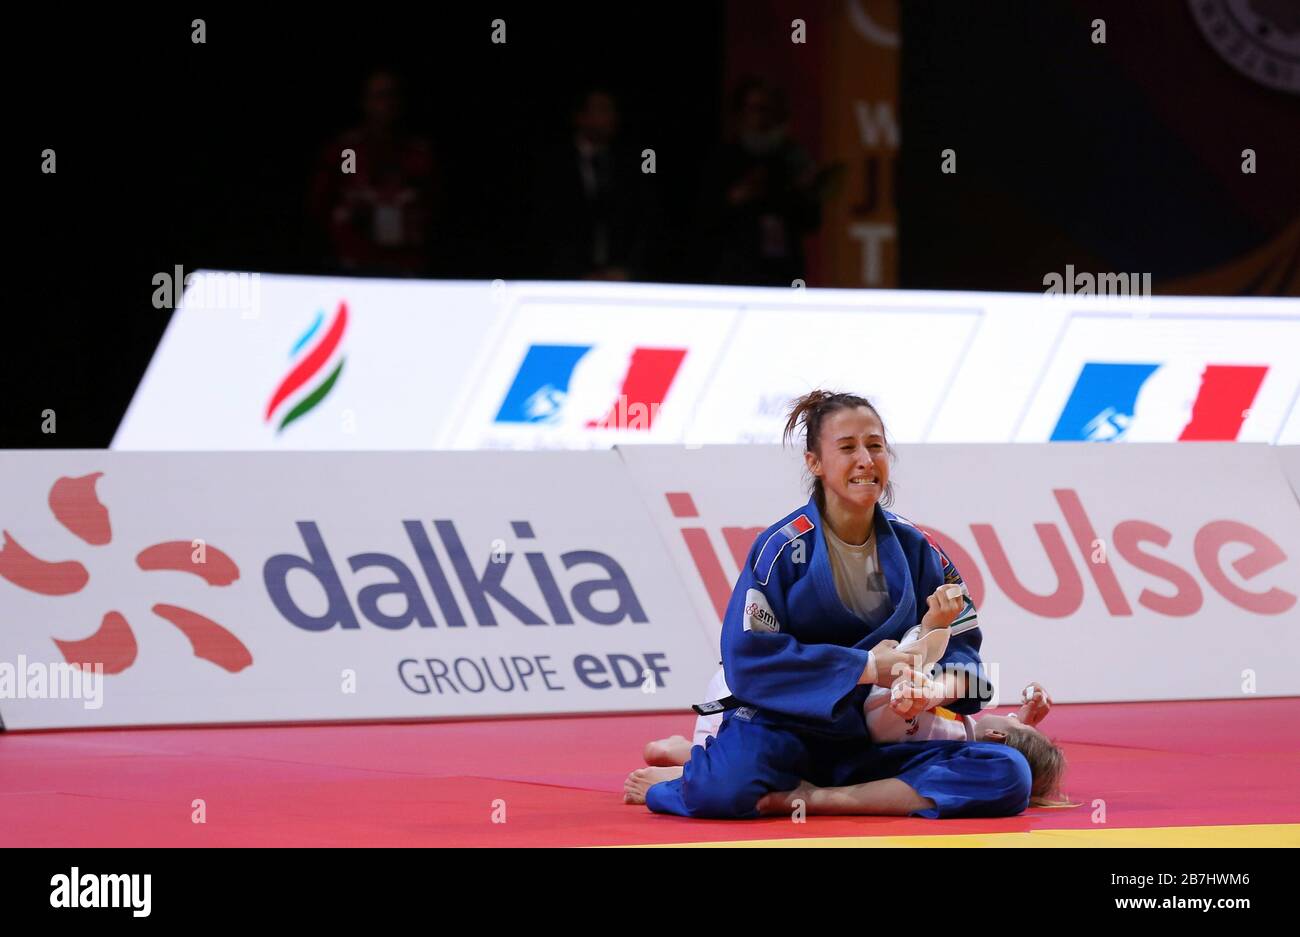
column 1046, row 765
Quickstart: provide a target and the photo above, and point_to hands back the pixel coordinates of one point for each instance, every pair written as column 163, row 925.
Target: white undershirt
column 858, row 579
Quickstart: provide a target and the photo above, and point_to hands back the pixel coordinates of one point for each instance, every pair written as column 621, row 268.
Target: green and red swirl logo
column 309, row 370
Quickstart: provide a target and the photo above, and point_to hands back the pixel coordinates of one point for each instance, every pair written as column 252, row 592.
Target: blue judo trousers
column 793, row 655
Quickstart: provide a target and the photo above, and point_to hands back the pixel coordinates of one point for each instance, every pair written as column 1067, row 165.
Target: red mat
column 560, row 781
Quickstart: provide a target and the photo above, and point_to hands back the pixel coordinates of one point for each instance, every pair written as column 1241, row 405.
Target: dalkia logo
column 540, row 391
column 308, row 370
column 319, row 565
column 1131, row 540
column 76, row 506
column 1105, row 401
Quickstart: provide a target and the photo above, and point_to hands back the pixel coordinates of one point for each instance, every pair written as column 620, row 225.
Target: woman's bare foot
column 642, row 779
column 783, row 802
column 664, row 753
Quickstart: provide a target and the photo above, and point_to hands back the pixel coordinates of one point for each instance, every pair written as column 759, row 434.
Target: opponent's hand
column 890, row 662
column 911, row 694
column 1036, row 706
column 944, row 606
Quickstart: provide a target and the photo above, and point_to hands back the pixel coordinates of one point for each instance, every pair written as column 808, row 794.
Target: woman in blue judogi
column 813, row 623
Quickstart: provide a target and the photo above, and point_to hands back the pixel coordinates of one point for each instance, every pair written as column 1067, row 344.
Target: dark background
column 1120, row 157
column 1124, row 158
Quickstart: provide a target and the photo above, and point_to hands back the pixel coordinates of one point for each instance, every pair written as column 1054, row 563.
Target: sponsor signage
column 235, row 587
column 335, row 363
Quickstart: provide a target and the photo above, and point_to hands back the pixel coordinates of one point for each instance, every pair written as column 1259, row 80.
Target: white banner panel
column 898, row 356
column 1290, row 435
column 309, row 363
column 709, row 504
column 278, row 362
column 1289, row 458
column 1107, row 573
column 1166, row 376
column 233, row 587
column 581, row 368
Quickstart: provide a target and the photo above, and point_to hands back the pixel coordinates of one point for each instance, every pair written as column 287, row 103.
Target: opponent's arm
column 963, row 683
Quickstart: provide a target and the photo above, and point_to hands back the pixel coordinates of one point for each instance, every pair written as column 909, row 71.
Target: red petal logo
column 209, row 640
column 77, row 507
column 113, row 645
column 37, row 575
column 178, row 556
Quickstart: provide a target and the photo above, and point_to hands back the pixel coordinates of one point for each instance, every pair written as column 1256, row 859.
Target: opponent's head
column 1046, row 760
column 845, row 448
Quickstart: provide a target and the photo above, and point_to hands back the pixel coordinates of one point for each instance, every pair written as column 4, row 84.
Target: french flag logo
column 543, row 390
column 800, row 525
column 767, row 556
column 1111, row 400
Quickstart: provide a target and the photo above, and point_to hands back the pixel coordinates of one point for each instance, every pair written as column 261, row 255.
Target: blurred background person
column 377, row 218
column 764, row 195
column 591, row 219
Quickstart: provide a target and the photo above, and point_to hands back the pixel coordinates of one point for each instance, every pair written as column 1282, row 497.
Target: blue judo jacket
column 793, row 653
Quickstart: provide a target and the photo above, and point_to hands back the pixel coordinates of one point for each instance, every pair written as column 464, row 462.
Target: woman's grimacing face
column 851, row 459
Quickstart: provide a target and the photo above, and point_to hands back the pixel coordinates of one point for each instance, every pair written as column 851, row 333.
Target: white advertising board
column 1107, row 573
column 336, row 363
column 309, row 363
column 253, row 587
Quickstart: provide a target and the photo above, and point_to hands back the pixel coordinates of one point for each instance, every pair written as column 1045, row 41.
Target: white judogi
column 708, row 725
column 885, row 725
